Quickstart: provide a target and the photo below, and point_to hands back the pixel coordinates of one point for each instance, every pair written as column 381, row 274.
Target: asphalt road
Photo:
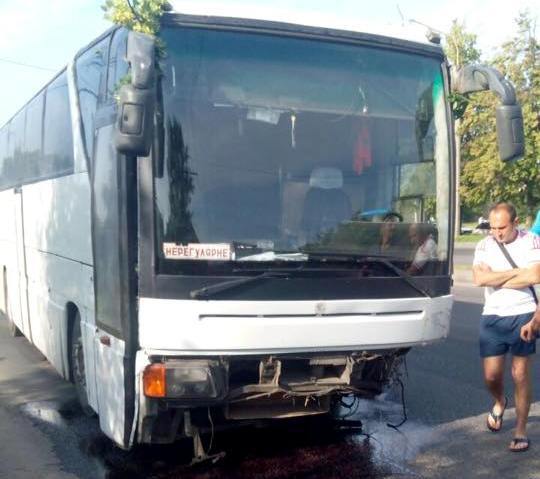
column 445, row 381
column 44, row 435
column 463, row 253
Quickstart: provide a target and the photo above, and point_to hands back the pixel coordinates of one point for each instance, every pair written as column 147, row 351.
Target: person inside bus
column 424, row 247
column 387, row 243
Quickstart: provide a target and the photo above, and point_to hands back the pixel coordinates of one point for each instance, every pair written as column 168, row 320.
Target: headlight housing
column 185, row 379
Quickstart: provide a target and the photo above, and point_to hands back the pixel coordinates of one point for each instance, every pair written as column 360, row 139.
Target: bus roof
column 335, row 19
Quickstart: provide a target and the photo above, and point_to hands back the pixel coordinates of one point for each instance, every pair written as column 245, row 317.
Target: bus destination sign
column 198, row 251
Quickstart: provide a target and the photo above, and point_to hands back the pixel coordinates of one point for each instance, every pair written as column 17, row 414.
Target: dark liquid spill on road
column 305, row 448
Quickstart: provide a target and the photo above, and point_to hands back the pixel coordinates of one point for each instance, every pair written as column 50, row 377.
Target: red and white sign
column 198, row 251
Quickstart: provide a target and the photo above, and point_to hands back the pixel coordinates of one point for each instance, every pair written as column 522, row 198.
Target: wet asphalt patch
column 305, row 448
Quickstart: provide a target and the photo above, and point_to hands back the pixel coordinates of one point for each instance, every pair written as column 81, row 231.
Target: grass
column 471, row 238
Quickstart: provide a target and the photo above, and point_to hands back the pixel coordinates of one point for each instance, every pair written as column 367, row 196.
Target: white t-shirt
column 524, row 250
column 427, row 251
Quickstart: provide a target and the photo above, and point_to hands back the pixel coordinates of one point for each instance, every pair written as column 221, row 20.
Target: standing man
column 507, row 263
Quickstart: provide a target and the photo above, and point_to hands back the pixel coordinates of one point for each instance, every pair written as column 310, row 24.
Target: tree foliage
column 485, row 177
column 139, row 15
column 460, row 48
column 460, row 45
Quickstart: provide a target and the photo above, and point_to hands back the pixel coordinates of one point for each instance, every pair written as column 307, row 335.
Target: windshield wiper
column 373, row 258
column 404, row 275
column 207, row 291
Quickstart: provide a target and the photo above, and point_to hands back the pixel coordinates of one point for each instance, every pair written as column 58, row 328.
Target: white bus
column 250, row 226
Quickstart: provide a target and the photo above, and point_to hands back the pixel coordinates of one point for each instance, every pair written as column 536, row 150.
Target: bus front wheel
column 13, row 329
column 78, row 372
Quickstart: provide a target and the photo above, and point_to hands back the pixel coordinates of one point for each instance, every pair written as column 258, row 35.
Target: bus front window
column 277, row 146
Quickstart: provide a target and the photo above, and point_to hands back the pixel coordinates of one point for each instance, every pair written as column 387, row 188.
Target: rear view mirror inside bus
column 137, row 98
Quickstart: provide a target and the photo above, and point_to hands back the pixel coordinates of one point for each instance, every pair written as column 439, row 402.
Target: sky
column 45, row 34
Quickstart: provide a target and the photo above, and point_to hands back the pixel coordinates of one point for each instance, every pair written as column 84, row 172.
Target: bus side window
column 118, row 67
column 4, row 182
column 90, row 78
column 13, row 166
column 33, row 133
column 58, row 136
column 20, row 146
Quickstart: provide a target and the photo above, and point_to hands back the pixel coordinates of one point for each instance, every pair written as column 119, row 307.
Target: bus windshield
column 274, row 147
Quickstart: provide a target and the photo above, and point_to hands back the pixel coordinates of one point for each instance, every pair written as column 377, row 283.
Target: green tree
column 460, row 48
column 486, row 178
column 139, row 15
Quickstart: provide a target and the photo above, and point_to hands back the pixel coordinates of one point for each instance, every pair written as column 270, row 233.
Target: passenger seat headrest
column 326, row 178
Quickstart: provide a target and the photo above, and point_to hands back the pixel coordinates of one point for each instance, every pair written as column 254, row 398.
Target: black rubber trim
column 130, row 314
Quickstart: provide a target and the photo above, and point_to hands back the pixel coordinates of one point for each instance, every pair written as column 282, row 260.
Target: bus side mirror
column 510, row 136
column 134, row 123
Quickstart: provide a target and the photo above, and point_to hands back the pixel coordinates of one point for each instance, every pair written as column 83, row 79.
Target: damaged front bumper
column 252, row 388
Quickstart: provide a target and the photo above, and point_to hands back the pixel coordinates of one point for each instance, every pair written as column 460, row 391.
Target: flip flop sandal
column 497, row 418
column 517, row 441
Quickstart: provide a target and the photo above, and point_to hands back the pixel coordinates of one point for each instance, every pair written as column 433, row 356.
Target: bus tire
column 14, row 331
column 78, row 372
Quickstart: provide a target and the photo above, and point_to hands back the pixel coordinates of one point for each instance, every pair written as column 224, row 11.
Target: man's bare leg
column 494, row 379
column 521, row 374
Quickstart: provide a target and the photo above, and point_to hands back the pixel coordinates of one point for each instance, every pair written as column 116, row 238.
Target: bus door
column 19, row 297
column 114, row 265
column 109, row 344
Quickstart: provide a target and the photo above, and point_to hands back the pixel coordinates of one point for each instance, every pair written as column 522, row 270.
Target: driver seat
column 326, row 205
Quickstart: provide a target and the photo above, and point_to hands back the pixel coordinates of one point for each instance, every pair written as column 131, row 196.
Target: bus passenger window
column 118, row 66
column 90, row 73
column 58, row 137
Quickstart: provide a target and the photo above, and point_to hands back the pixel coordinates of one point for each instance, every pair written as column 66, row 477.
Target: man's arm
column 526, row 277
column 483, row 276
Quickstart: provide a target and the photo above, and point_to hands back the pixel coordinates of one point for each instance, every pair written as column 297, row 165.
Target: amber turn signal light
column 154, row 380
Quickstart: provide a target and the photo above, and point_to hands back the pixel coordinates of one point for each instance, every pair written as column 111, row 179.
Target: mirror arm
column 473, row 78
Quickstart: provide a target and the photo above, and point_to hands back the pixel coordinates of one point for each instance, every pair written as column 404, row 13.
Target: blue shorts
column 499, row 334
